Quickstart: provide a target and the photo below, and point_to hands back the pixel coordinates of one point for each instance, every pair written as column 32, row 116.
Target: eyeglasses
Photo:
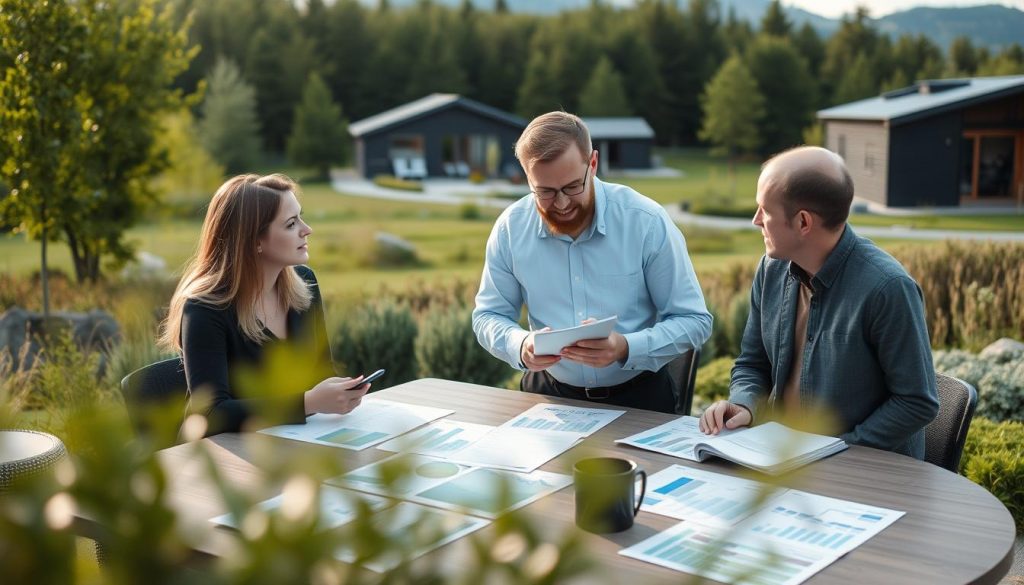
column 571, row 190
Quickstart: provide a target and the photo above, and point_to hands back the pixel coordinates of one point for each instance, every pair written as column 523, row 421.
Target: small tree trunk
column 44, row 278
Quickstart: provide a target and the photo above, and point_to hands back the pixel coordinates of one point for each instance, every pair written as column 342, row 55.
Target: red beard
column 584, row 214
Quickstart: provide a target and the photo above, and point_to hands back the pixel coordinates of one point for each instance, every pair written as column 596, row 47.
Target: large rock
column 1003, row 350
column 94, row 330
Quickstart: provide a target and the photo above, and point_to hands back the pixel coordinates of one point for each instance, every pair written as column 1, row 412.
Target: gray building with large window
column 440, row 135
column 943, row 142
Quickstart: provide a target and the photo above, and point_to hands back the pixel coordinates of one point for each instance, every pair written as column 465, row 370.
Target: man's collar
column 836, row 259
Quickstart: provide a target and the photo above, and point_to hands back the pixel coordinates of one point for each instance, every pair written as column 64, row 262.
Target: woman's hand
column 336, row 395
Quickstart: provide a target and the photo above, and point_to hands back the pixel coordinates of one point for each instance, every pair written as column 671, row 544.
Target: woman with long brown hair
column 246, row 293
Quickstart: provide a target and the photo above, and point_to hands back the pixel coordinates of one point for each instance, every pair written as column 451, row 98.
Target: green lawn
column 450, row 247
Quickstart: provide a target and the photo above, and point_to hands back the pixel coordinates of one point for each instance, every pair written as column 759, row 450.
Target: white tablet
column 552, row 342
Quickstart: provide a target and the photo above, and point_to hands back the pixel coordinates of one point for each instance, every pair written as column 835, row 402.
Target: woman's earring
column 259, row 249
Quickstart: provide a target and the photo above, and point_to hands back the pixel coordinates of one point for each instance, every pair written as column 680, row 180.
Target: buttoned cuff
column 746, row 401
column 639, row 346
column 516, row 339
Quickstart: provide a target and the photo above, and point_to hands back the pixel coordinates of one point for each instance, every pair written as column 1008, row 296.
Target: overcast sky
column 836, row 8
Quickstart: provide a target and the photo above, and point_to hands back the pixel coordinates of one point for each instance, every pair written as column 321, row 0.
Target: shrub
column 389, row 182
column 994, row 459
column 718, row 344
column 469, row 211
column 378, row 335
column 718, row 210
column 998, row 379
column 736, row 322
column 712, row 383
column 447, row 348
column 973, row 292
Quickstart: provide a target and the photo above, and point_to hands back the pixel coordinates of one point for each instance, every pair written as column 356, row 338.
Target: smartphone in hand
column 371, row 377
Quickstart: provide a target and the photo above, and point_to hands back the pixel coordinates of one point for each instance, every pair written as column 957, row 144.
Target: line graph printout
column 570, row 419
column 701, row 496
column 440, row 438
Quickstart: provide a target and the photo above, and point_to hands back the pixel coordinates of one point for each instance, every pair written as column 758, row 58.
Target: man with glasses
column 578, row 248
column 836, row 325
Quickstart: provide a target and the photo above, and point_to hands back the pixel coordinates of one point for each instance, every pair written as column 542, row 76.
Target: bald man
column 835, row 323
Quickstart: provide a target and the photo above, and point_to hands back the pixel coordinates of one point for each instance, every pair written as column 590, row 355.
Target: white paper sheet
column 701, row 496
column 373, row 422
column 337, row 507
column 566, row 419
column 440, row 438
column 416, row 528
column 449, row 485
column 552, row 342
column 790, row 538
column 516, row 449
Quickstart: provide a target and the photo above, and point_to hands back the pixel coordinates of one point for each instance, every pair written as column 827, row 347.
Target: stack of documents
column 770, row 447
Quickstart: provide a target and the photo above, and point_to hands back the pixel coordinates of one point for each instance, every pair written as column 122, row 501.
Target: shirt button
column 577, row 278
column 810, row 338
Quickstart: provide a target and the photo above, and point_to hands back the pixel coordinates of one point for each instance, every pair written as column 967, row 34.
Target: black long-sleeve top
column 224, row 366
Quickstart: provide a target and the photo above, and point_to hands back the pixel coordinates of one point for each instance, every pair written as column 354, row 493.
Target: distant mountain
column 991, row 25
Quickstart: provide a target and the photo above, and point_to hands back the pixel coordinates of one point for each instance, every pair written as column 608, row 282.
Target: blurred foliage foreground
column 115, row 478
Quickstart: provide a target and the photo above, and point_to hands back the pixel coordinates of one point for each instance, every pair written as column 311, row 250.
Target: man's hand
column 536, row 363
column 598, row 353
column 724, row 415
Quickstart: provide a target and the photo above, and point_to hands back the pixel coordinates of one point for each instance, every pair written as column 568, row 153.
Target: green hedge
column 447, row 348
column 381, row 334
column 994, row 459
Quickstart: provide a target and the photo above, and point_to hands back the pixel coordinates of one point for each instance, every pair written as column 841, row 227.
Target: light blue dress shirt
column 630, row 262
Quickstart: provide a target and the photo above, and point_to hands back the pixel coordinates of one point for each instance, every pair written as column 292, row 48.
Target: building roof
column 926, row 98
column 424, row 107
column 618, row 128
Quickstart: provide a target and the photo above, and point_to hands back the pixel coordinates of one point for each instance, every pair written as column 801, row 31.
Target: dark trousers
column 648, row 390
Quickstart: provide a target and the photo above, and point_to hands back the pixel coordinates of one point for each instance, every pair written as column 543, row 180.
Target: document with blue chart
column 374, row 422
column 789, row 537
column 769, row 448
column 446, row 484
column 440, row 438
column 337, row 507
column 701, row 496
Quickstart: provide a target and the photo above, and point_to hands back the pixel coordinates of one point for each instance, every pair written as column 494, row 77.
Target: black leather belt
column 605, row 392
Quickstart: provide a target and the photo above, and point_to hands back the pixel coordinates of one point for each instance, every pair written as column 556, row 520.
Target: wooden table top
column 954, row 531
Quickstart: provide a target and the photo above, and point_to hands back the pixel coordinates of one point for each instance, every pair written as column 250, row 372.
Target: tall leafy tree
column 704, row 55
column 736, row 33
column 855, row 37
column 539, row 91
column 664, row 26
column 774, row 22
column 41, row 47
column 276, row 96
column 633, row 57
column 229, row 128
column 136, row 50
column 858, row 83
column 603, row 95
column 810, row 46
column 319, row 135
column 127, row 55
column 963, row 58
column 733, row 107
column 788, row 90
